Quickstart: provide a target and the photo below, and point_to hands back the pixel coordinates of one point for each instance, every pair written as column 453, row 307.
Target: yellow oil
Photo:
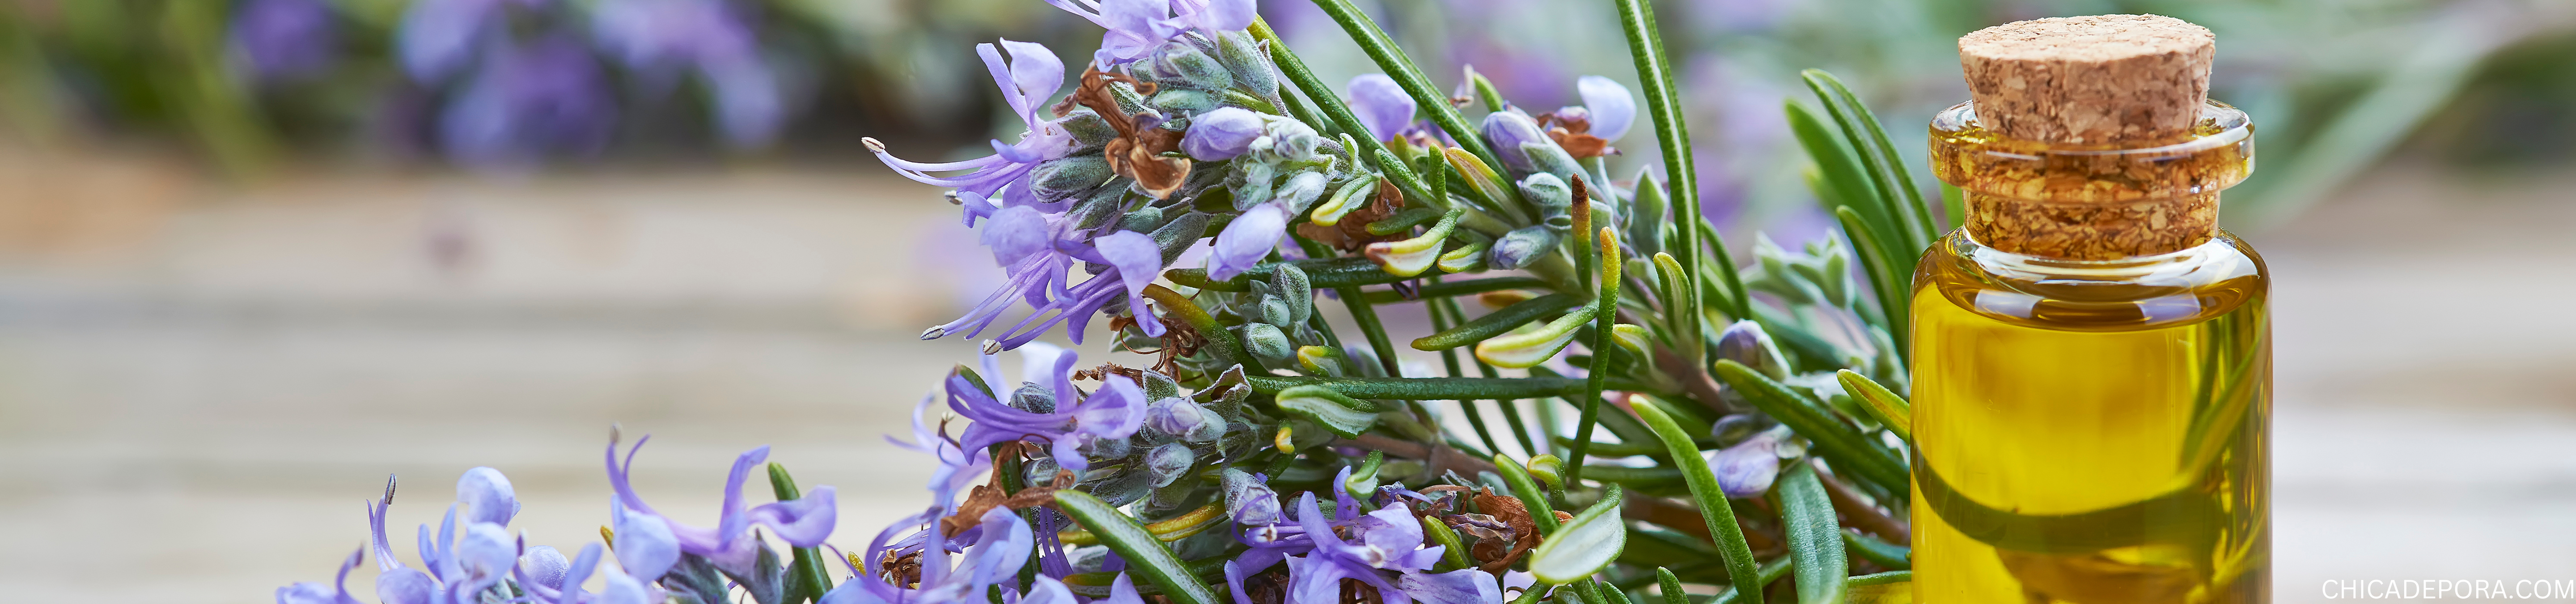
column 2091, row 432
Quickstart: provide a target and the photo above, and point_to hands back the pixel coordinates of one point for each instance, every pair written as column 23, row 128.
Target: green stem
column 1469, row 287
column 1427, row 389
column 1605, row 318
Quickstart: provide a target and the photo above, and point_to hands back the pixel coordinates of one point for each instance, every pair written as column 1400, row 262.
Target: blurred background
column 256, row 254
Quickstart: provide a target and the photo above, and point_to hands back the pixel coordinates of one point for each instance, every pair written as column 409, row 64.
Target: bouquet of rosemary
column 1720, row 444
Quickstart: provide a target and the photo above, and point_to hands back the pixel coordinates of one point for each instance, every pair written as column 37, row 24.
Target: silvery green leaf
column 1267, row 342
column 1548, row 192
column 1176, row 236
column 1141, row 220
column 1249, row 64
column 1331, row 410
column 1582, row 546
column 1073, row 175
column 1290, row 283
column 1169, row 462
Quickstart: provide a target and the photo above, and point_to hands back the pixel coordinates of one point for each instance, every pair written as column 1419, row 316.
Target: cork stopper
column 2101, row 79
column 2082, row 143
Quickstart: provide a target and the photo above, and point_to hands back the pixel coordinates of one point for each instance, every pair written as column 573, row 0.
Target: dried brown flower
column 1575, row 135
column 1138, row 151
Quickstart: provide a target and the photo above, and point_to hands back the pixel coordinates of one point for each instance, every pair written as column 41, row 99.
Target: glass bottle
column 2091, row 425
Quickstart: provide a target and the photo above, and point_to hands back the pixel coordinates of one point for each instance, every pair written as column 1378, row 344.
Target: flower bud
column 1274, row 311
column 1169, row 462
column 1180, row 64
column 1301, row 191
column 1745, row 342
column 1549, row 193
column 1184, row 419
column 1184, row 100
column 1289, row 140
column 487, row 496
column 1523, row 147
column 1058, row 179
column 1221, row 134
column 1747, row 469
column 1267, row 342
column 1290, row 284
column 545, row 566
column 1250, row 65
column 1032, row 398
column 1248, row 500
column 1039, row 471
column 1523, row 245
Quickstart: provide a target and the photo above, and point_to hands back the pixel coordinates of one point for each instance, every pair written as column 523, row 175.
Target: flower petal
column 1462, row 586
column 801, row 522
column 487, row 496
column 1613, row 109
column 1382, row 105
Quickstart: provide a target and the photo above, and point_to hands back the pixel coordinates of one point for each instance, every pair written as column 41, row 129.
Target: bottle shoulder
column 2212, row 279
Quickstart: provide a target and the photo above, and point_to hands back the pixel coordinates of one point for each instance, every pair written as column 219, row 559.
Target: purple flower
column 709, row 36
column 438, row 37
column 957, row 467
column 1078, row 422
column 999, row 545
column 1032, row 74
column 1137, row 27
column 1611, row 109
column 1222, row 134
column 547, row 96
column 1387, row 539
column 1513, row 134
column 487, row 496
column 1038, row 276
column 802, row 522
column 1248, row 498
column 1382, row 105
column 310, row 592
column 1212, row 16
column 285, row 39
column 1747, row 469
column 1184, row 419
column 1248, row 240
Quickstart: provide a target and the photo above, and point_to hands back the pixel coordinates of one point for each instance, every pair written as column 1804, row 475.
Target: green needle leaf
column 1341, row 414
column 1815, row 540
column 1532, row 497
column 1720, row 517
column 1145, row 555
column 1584, row 545
column 1889, row 409
column 1840, row 443
column 1499, row 322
